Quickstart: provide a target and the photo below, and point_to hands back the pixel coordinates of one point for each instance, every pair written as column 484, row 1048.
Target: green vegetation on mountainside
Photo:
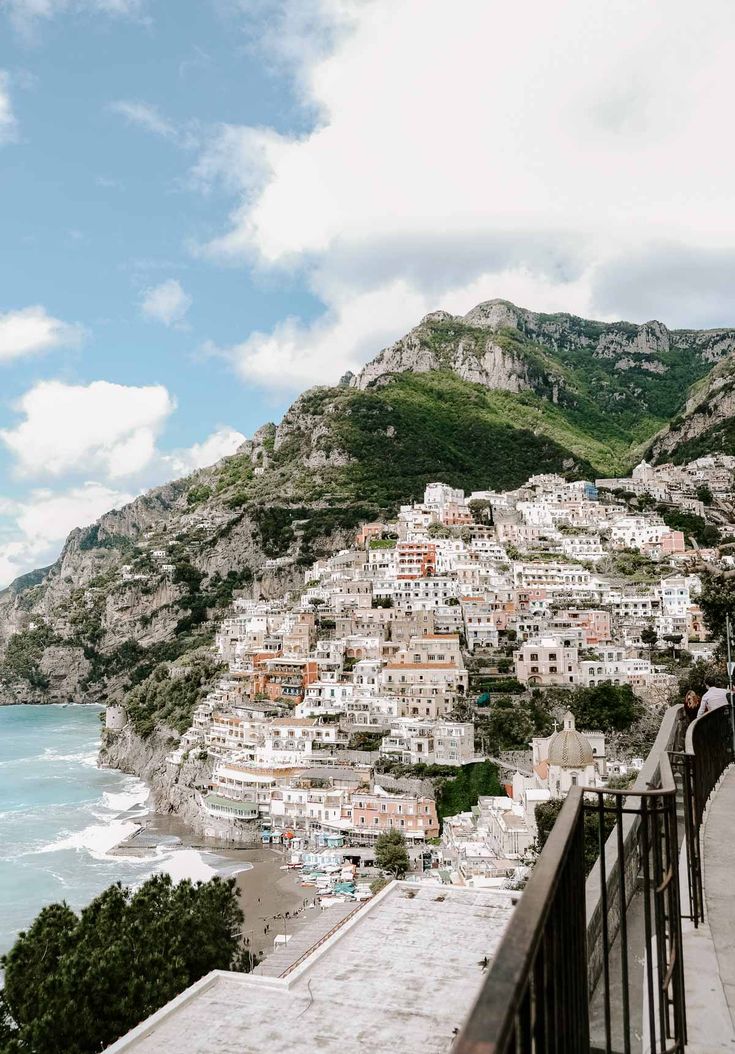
column 617, row 406
column 461, row 793
column 639, row 398
column 170, row 694
column 23, row 656
column 422, row 427
column 720, row 439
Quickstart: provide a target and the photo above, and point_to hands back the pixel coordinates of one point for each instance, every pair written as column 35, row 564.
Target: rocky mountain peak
column 495, row 314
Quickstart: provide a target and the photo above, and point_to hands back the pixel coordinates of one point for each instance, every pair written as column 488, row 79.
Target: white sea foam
column 186, row 863
column 97, row 839
column 86, row 757
column 127, row 800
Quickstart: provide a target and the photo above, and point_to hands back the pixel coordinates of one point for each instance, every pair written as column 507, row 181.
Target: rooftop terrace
column 401, row 973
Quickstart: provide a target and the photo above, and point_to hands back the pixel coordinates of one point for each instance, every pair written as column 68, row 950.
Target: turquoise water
column 60, row 815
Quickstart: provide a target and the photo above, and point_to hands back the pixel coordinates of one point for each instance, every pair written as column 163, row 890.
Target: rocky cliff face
column 466, row 346
column 144, row 582
column 707, row 424
column 174, row 788
column 471, row 345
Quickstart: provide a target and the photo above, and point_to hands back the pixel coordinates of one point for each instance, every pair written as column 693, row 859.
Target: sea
column 60, row 815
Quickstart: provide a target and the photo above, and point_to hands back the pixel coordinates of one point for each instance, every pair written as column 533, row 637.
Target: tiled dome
column 569, row 749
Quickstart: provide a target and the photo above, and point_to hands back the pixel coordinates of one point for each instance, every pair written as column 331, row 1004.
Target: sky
column 207, row 206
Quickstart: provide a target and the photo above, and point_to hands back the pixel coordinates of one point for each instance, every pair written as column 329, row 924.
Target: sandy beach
column 272, row 900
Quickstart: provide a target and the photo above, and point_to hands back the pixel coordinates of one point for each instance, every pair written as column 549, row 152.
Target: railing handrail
column 520, row 999
column 492, row 1018
column 708, row 752
column 696, row 727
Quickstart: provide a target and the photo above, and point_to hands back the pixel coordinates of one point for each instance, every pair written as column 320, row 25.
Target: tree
column 698, row 676
column 546, row 814
column 481, row 510
column 649, row 637
column 674, row 639
column 608, row 707
column 465, row 785
column 694, row 527
column 717, row 601
column 391, row 854
column 76, row 983
column 704, row 494
column 365, row 740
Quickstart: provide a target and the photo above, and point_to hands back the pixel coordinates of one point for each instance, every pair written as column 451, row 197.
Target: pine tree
column 76, row 983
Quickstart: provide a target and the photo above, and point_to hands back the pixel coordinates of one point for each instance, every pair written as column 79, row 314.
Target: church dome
column 568, row 748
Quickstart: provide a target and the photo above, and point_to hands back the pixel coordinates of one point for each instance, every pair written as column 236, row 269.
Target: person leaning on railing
column 691, row 705
column 712, row 699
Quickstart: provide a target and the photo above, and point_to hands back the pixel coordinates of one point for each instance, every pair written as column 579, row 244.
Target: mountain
column 707, row 423
column 480, row 401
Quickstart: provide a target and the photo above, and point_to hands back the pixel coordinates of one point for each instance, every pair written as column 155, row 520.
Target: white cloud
column 167, row 302
column 8, row 123
column 35, row 527
column 103, row 434
column 145, row 116
column 533, row 146
column 221, row 443
column 86, row 428
column 32, row 330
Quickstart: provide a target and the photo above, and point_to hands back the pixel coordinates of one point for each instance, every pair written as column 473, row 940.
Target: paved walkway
column 709, row 951
column 306, row 937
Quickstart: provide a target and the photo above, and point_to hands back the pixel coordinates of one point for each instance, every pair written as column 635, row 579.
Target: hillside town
column 342, row 699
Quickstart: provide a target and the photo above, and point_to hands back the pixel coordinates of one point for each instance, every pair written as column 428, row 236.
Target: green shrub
column 163, row 699
column 461, row 792
column 198, row 493
column 76, row 983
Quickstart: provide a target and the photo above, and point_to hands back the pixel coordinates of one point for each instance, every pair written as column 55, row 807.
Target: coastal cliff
column 174, row 788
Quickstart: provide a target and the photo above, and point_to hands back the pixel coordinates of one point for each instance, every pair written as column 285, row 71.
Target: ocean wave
column 127, row 800
column 97, row 839
column 84, row 757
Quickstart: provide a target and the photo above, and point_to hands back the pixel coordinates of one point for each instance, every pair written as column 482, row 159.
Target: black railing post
column 535, row 999
column 708, row 752
column 535, row 996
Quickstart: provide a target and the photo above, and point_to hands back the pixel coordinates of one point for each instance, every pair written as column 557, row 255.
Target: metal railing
column 707, row 753
column 651, row 890
column 536, row 997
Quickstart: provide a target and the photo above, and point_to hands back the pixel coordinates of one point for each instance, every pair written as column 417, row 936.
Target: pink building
column 673, row 542
column 373, row 814
column 415, row 559
column 594, row 623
